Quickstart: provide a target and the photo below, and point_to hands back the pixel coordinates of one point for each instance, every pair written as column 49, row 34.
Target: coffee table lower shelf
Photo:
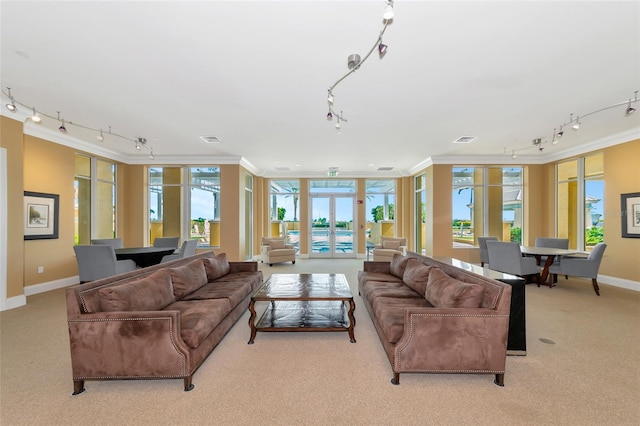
column 294, row 316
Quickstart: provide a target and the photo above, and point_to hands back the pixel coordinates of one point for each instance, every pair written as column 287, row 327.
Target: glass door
column 332, row 230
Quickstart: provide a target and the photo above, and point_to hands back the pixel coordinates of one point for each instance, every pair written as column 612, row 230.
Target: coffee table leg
column 252, row 323
column 352, row 320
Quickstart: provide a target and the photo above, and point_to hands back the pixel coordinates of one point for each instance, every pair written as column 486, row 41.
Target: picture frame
column 630, row 214
column 40, row 215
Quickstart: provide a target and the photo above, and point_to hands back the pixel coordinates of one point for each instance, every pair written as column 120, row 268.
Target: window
column 200, row 196
column 248, row 216
column 467, row 201
column 381, row 199
column 580, row 201
column 421, row 213
column 94, row 199
column 283, row 209
column 486, row 201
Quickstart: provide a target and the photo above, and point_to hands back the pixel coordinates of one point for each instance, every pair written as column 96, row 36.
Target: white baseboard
column 51, row 285
column 619, row 282
column 13, row 302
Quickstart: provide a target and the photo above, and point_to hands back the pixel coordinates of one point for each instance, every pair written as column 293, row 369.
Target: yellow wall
column 621, row 168
column 11, row 140
column 49, row 168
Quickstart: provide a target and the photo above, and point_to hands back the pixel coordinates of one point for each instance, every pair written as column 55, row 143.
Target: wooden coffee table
column 304, row 302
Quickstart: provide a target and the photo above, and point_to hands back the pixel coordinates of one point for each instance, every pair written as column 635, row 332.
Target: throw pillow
column 216, row 267
column 277, row 244
column 151, row 293
column 416, row 275
column 398, row 265
column 446, row 292
column 188, row 278
column 391, row 244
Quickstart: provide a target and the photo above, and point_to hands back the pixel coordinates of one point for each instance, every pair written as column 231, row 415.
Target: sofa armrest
column 452, row 339
column 243, row 267
column 371, row 266
column 128, row 344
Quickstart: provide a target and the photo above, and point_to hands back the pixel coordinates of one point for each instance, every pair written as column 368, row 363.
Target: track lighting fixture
column 12, row 105
column 560, row 133
column 513, row 154
column 630, row 109
column 354, row 61
column 151, row 155
column 35, row 117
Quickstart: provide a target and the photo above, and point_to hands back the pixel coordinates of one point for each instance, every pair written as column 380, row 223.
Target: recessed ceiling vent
column 385, row 169
column 283, row 169
column 210, row 139
column 464, row 139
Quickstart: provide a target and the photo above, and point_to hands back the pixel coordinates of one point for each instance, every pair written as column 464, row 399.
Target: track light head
column 11, row 106
column 382, row 49
column 330, row 98
column 100, row 136
column 353, row 61
column 329, row 116
column 630, row 109
column 62, row 128
column 388, row 11
column 514, row 155
column 576, row 125
column 35, row 117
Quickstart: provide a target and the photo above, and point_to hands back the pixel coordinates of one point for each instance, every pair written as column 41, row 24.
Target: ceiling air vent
column 385, row 169
column 210, row 139
column 464, row 139
column 283, row 169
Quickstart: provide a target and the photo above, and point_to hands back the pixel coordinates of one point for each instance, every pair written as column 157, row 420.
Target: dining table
column 144, row 256
column 550, row 253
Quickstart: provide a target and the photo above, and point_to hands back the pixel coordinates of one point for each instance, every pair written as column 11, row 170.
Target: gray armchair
column 116, row 243
column 166, row 242
column 580, row 266
column 507, row 258
column 484, row 254
column 99, row 261
column 188, row 248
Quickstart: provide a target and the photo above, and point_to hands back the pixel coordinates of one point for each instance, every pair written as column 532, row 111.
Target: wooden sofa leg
column 396, row 379
column 78, row 387
column 187, row 384
column 499, row 379
column 595, row 286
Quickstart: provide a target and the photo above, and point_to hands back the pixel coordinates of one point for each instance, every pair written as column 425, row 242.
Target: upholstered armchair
column 561, row 243
column 188, row 248
column 484, row 253
column 99, row 261
column 166, row 242
column 507, row 258
column 389, row 247
column 276, row 250
column 580, row 266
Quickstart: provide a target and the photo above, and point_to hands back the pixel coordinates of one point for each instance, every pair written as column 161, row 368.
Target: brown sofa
column 159, row 322
column 435, row 318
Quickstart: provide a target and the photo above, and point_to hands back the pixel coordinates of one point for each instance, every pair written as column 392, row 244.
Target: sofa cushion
column 277, row 244
column 416, row 275
column 252, row 277
column 398, row 265
column 151, row 293
column 375, row 289
column 198, row 318
column 446, row 292
column 390, row 244
column 188, row 278
column 216, row 267
column 233, row 291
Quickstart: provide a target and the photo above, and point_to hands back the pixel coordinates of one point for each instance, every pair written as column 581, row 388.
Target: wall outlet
column 40, row 269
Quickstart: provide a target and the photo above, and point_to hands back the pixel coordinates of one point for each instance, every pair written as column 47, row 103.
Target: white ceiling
column 255, row 74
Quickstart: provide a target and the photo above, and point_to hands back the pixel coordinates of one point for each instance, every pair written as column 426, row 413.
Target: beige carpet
column 590, row 375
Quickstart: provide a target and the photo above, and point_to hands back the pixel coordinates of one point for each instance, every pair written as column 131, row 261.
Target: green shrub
column 595, row 235
column 516, row 235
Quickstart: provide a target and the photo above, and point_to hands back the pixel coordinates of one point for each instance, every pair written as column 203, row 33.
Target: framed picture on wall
column 40, row 215
column 630, row 208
